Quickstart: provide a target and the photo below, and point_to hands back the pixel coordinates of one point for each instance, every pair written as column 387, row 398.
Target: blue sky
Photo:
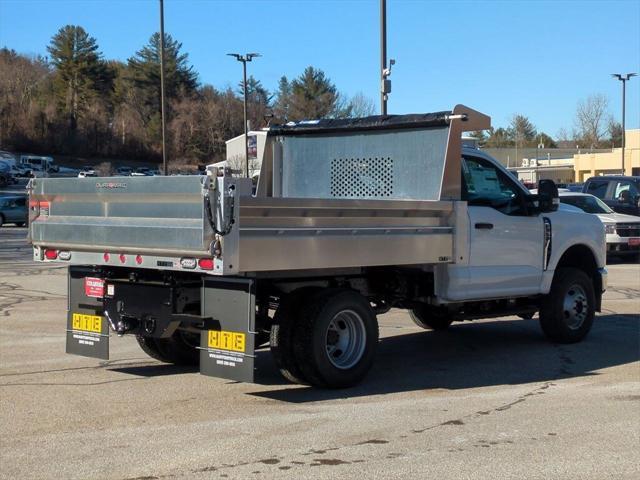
column 538, row 58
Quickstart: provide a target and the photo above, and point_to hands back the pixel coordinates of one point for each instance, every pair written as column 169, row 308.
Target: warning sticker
column 94, row 287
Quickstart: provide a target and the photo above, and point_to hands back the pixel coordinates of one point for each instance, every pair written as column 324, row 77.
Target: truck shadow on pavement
column 469, row 355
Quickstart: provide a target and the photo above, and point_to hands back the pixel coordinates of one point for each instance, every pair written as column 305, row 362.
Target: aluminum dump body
column 379, row 191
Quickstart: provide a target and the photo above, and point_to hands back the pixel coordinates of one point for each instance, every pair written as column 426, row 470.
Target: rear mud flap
column 229, row 352
column 87, row 335
column 87, row 328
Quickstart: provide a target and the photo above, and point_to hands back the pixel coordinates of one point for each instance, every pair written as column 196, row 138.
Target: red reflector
column 139, row 259
column 122, row 258
column 106, row 257
column 206, row 263
column 50, row 254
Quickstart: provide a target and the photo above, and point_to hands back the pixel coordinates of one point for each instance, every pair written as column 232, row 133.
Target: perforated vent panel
column 362, row 177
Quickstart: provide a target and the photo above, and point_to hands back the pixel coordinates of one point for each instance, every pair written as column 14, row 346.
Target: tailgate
column 152, row 214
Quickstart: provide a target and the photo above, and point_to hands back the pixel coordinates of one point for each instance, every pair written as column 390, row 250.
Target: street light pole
column 244, row 59
column 162, row 112
column 623, row 78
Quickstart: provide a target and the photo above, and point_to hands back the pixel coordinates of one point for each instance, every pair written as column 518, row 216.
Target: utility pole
column 385, row 83
column 383, row 56
column 244, row 59
column 162, row 109
column 624, row 78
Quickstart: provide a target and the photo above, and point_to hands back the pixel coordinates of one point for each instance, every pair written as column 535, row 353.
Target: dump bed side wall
column 289, row 234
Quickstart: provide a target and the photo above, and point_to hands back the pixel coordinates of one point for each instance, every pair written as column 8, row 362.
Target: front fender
column 571, row 229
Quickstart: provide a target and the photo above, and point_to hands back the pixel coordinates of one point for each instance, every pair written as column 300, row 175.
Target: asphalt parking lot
column 486, row 399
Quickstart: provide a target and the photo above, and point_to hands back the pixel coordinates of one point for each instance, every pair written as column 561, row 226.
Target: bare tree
column 591, row 115
column 563, row 135
column 361, row 106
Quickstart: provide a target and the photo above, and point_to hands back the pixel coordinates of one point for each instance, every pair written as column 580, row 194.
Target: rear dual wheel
column 326, row 338
column 179, row 349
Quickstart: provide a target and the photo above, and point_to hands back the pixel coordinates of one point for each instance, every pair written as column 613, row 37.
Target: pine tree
column 313, row 95
column 180, row 80
column 80, row 72
column 258, row 101
column 522, row 131
column 144, row 67
column 282, row 101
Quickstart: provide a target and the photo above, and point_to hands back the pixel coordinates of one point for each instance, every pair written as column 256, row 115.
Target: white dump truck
column 349, row 218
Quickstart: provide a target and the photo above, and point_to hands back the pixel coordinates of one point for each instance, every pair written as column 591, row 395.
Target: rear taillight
column 50, row 254
column 139, row 259
column 106, row 257
column 206, row 263
column 122, row 258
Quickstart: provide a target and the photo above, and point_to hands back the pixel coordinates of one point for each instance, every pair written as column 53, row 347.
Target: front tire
column 179, row 349
column 431, row 317
column 567, row 312
column 336, row 338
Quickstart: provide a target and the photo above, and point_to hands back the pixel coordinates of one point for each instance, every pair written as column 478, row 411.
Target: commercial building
column 560, row 170
column 606, row 163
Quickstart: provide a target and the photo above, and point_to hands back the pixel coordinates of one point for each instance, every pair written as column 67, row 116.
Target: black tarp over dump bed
column 373, row 122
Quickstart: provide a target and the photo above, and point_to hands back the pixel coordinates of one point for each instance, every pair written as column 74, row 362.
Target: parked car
column 13, row 209
column 621, row 193
column 575, row 187
column 6, row 177
column 141, row 172
column 622, row 231
column 123, row 171
column 21, row 171
column 87, row 173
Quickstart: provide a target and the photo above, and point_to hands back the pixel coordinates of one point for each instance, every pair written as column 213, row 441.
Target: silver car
column 622, row 230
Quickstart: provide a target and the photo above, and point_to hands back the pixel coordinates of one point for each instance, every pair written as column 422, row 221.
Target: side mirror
column 548, row 198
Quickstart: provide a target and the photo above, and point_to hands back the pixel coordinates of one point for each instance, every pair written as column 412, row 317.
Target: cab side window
column 486, row 186
column 625, row 192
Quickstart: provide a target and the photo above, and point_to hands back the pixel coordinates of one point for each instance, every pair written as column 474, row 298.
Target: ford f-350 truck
column 349, row 218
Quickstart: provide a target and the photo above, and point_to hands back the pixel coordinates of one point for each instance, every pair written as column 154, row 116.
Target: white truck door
column 506, row 240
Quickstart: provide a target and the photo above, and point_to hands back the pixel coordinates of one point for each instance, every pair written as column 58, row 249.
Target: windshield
column 589, row 204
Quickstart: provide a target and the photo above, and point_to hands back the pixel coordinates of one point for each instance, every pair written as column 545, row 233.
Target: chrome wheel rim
column 345, row 339
column 575, row 307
